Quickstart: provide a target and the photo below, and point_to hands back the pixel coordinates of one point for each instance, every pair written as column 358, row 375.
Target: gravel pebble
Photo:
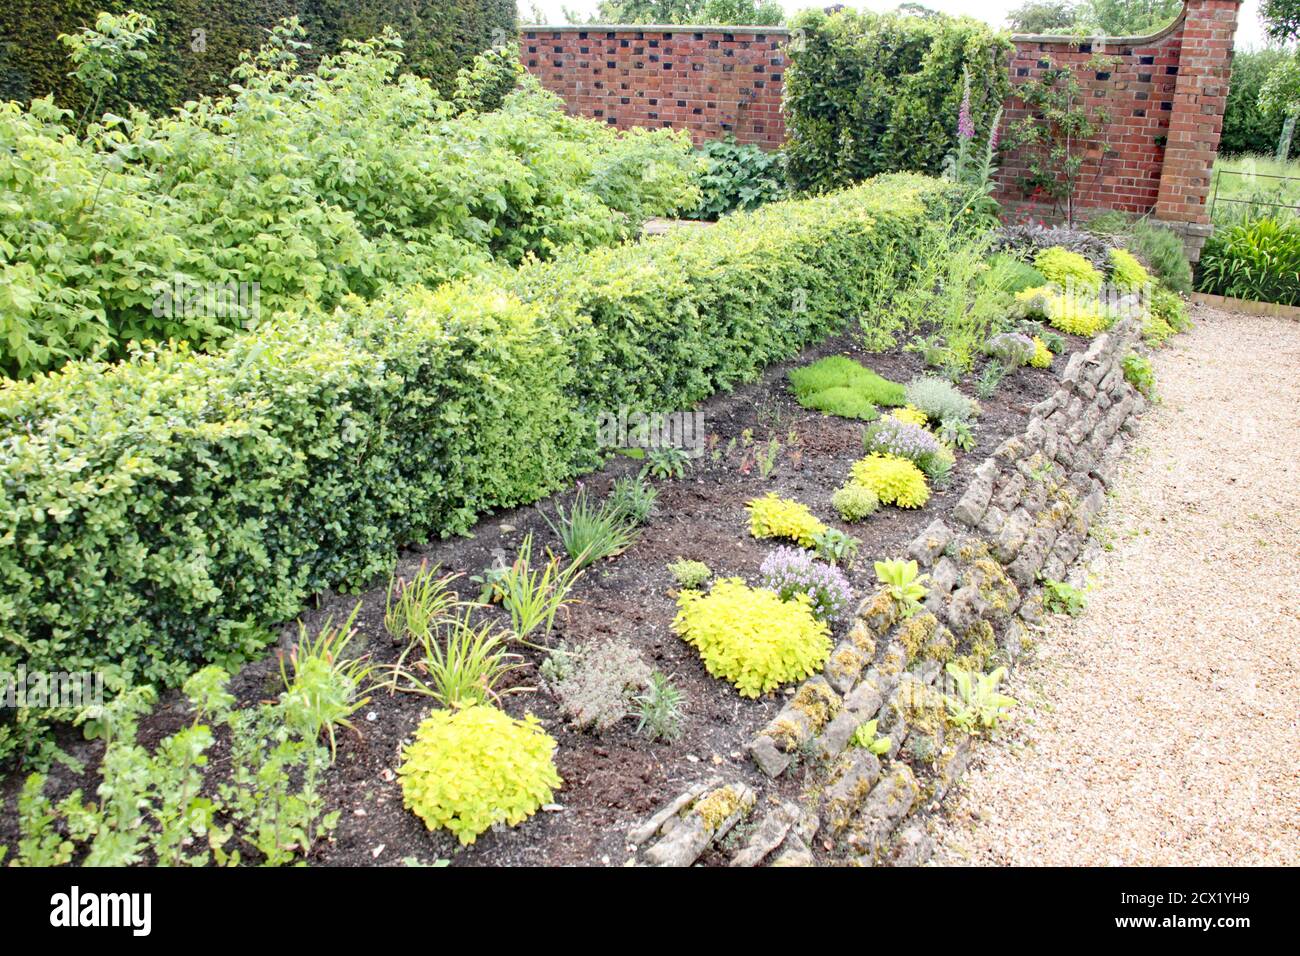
column 1160, row 727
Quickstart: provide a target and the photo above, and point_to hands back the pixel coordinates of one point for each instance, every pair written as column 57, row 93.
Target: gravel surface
column 1160, row 727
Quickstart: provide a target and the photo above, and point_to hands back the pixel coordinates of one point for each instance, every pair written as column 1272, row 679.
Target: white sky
column 1250, row 33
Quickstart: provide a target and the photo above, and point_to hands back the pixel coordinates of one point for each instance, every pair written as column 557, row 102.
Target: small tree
column 1280, row 96
column 1058, row 132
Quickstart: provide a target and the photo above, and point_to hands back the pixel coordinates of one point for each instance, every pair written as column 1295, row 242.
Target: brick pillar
column 1199, row 99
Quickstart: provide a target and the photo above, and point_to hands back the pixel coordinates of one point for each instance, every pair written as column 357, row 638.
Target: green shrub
column 1257, row 260
column 475, row 766
column 440, row 37
column 939, row 401
column 690, row 574
column 172, row 509
column 1159, row 247
column 280, row 187
column 1008, row 274
column 855, row 502
column 840, row 386
column 752, row 638
column 1067, row 269
column 1127, row 273
column 737, row 176
column 1247, row 128
column 893, row 480
column 867, row 93
column 775, row 517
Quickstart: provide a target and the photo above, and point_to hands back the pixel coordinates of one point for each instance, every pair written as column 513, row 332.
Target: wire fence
column 1257, row 199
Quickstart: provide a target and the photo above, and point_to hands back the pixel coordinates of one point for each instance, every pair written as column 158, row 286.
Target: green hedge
column 872, row 93
column 172, row 509
column 440, row 37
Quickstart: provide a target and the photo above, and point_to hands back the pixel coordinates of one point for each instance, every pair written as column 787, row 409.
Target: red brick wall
column 710, row 80
column 1135, row 87
column 1165, row 96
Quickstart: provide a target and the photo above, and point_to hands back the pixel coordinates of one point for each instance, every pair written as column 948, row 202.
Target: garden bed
column 616, row 779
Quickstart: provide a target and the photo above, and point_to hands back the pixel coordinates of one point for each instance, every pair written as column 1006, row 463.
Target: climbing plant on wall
column 868, row 93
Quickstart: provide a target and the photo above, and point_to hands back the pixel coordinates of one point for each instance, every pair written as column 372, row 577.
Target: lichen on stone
column 816, row 701
column 717, row 806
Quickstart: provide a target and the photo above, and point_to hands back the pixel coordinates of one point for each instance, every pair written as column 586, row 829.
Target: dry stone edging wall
column 1024, row 517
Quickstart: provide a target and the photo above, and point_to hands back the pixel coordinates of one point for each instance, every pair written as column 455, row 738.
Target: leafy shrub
column 737, row 176
column 836, row 546
column 940, row 400
column 855, row 502
column 775, row 517
column 471, row 767
column 1076, row 314
column 308, row 452
column 1009, row 274
column 790, row 571
column 868, row 93
column 599, row 684
column 690, row 574
column 204, row 204
column 1042, row 357
column 1029, row 240
column 1126, row 273
column 1159, row 247
column 751, row 637
column 894, row 481
column 1246, row 127
column 1067, row 269
column 158, row 807
column 1139, row 373
column 440, row 38
column 1258, row 260
column 841, row 386
column 1012, row 349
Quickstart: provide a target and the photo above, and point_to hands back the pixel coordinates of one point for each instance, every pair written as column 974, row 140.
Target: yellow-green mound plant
column 1042, row 357
column 471, row 767
column 855, row 502
column 750, row 637
column 1126, row 272
column 893, row 480
column 1067, row 268
column 774, row 517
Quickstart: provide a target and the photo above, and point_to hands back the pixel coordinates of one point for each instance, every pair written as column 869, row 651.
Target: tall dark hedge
column 440, row 36
column 873, row 93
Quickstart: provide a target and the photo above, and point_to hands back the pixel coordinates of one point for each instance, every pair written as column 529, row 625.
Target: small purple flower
column 791, row 571
column 889, row 436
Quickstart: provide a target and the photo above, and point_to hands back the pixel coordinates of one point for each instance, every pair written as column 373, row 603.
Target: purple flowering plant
column 889, row 436
column 790, row 571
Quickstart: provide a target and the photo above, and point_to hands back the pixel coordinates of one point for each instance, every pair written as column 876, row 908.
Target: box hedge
column 173, row 508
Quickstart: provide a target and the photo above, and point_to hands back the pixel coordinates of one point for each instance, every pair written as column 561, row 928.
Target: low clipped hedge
column 171, row 509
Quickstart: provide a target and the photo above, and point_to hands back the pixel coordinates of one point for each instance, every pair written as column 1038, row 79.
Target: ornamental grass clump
column 750, row 637
column 774, row 517
column 471, row 767
column 895, row 481
column 790, row 571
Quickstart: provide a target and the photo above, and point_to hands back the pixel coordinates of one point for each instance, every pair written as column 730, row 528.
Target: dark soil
column 614, row 780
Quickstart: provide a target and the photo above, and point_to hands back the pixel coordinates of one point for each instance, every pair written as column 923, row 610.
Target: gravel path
column 1160, row 727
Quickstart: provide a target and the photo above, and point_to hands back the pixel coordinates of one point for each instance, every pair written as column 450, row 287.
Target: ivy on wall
column 199, row 41
column 870, row 93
